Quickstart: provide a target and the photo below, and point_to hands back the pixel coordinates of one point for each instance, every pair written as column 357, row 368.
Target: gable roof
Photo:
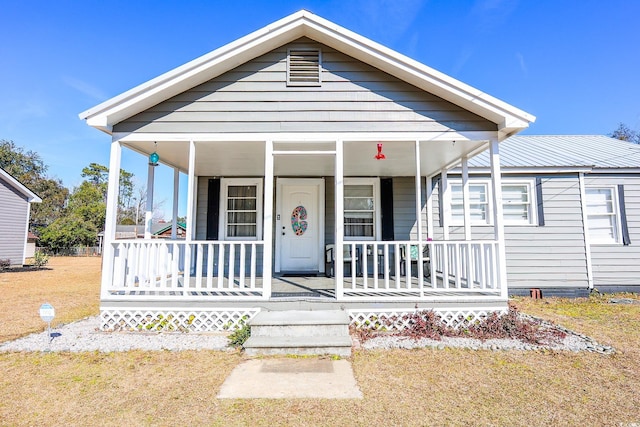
column 509, row 119
column 563, row 151
column 18, row 186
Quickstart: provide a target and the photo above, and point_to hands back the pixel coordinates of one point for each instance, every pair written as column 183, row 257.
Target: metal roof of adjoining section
column 579, row 151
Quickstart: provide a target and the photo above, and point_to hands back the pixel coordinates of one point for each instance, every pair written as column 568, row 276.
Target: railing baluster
column 232, row 264
column 210, row 252
column 221, row 255
column 242, row 262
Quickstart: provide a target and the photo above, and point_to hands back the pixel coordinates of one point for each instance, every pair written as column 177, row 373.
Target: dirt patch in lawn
column 70, row 284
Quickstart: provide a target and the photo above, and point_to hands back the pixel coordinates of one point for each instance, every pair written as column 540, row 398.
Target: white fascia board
column 504, row 115
column 191, row 74
column 508, row 118
column 448, row 136
column 527, row 170
column 30, row 195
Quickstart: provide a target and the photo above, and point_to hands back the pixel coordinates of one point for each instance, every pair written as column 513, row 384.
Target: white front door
column 300, row 224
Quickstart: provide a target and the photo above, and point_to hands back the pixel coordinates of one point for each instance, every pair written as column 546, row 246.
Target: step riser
column 300, row 330
column 300, row 351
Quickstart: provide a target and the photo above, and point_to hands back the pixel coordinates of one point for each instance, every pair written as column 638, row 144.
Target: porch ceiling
column 246, row 158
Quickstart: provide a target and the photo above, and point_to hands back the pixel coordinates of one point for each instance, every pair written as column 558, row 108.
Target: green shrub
column 40, row 259
column 240, row 335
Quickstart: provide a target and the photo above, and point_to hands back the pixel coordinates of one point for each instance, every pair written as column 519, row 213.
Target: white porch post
column 339, row 230
column 446, row 204
column 267, row 228
column 420, row 260
column 148, row 215
column 430, row 207
column 465, row 198
column 191, row 197
column 418, row 194
column 585, row 226
column 174, row 216
column 498, row 226
column 113, row 190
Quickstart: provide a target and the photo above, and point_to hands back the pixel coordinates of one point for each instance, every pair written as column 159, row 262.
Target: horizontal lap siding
column 353, row 97
column 617, row 264
column 13, row 223
column 404, row 209
column 552, row 255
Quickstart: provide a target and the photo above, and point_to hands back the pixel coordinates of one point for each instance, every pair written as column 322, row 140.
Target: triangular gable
column 19, row 187
column 305, row 24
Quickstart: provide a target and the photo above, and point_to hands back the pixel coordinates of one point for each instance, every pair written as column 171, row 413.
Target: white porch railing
column 199, row 269
column 413, row 269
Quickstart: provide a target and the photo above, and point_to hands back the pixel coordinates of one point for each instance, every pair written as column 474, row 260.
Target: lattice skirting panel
column 176, row 320
column 393, row 319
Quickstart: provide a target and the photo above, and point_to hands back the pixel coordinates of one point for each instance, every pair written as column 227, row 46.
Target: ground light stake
column 47, row 313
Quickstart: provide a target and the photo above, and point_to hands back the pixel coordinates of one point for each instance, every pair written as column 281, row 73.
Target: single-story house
column 311, row 154
column 571, row 208
column 16, row 201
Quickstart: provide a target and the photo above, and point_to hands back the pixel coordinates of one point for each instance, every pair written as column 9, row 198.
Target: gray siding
column 353, row 97
column 552, row 255
column 404, row 209
column 13, row 223
column 618, row 265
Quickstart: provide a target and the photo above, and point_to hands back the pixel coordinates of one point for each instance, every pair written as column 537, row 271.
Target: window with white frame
column 602, row 215
column 361, row 208
column 479, row 208
column 241, row 209
column 517, row 203
column 517, row 206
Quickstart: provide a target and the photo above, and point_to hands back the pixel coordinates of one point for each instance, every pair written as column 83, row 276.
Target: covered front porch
column 247, row 262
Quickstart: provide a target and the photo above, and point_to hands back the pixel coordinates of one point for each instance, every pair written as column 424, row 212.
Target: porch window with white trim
column 360, row 209
column 517, row 207
column 478, row 203
column 242, row 208
column 602, row 215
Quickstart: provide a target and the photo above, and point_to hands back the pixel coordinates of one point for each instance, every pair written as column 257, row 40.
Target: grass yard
column 70, row 284
column 400, row 387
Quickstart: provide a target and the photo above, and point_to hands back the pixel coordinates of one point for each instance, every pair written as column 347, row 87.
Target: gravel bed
column 85, row 336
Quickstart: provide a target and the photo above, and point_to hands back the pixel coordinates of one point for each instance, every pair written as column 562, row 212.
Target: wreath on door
column 298, row 223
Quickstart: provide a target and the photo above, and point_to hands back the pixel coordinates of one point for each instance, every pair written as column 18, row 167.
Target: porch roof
column 104, row 116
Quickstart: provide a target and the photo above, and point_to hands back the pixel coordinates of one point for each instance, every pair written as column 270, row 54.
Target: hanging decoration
column 380, row 155
column 298, row 223
column 154, row 157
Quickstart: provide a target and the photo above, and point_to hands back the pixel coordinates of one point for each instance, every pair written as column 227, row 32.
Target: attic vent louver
column 303, row 67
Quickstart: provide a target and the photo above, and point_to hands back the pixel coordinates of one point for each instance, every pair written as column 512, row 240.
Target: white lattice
column 393, row 319
column 168, row 320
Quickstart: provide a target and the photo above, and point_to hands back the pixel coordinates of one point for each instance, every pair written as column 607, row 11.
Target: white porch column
column 176, row 193
column 465, row 198
column 585, row 226
column 113, row 190
column 446, row 204
column 498, row 225
column 148, row 215
column 191, row 192
column 339, row 230
column 267, row 228
column 430, row 207
column 418, row 194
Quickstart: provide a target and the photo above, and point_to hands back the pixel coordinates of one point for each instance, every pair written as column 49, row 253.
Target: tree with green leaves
column 624, row 133
column 28, row 167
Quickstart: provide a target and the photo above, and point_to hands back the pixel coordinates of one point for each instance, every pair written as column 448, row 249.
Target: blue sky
column 573, row 64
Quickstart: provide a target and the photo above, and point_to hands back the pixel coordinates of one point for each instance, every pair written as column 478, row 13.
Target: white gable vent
column 303, row 67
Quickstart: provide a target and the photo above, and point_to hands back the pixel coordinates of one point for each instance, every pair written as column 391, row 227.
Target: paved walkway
column 290, row 378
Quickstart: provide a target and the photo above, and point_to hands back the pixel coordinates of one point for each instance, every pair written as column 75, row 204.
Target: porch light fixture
column 380, row 156
column 154, row 158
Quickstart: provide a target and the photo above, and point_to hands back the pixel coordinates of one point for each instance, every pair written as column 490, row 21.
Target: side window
column 603, row 215
column 517, row 206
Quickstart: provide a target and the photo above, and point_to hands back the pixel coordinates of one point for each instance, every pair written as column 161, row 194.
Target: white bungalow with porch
column 291, row 204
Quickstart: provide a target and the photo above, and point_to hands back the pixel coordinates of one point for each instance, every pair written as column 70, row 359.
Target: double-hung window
column 603, row 215
column 479, row 208
column 361, row 208
column 517, row 207
column 241, row 208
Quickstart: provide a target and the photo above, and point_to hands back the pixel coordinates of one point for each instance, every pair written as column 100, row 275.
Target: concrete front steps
column 299, row 332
